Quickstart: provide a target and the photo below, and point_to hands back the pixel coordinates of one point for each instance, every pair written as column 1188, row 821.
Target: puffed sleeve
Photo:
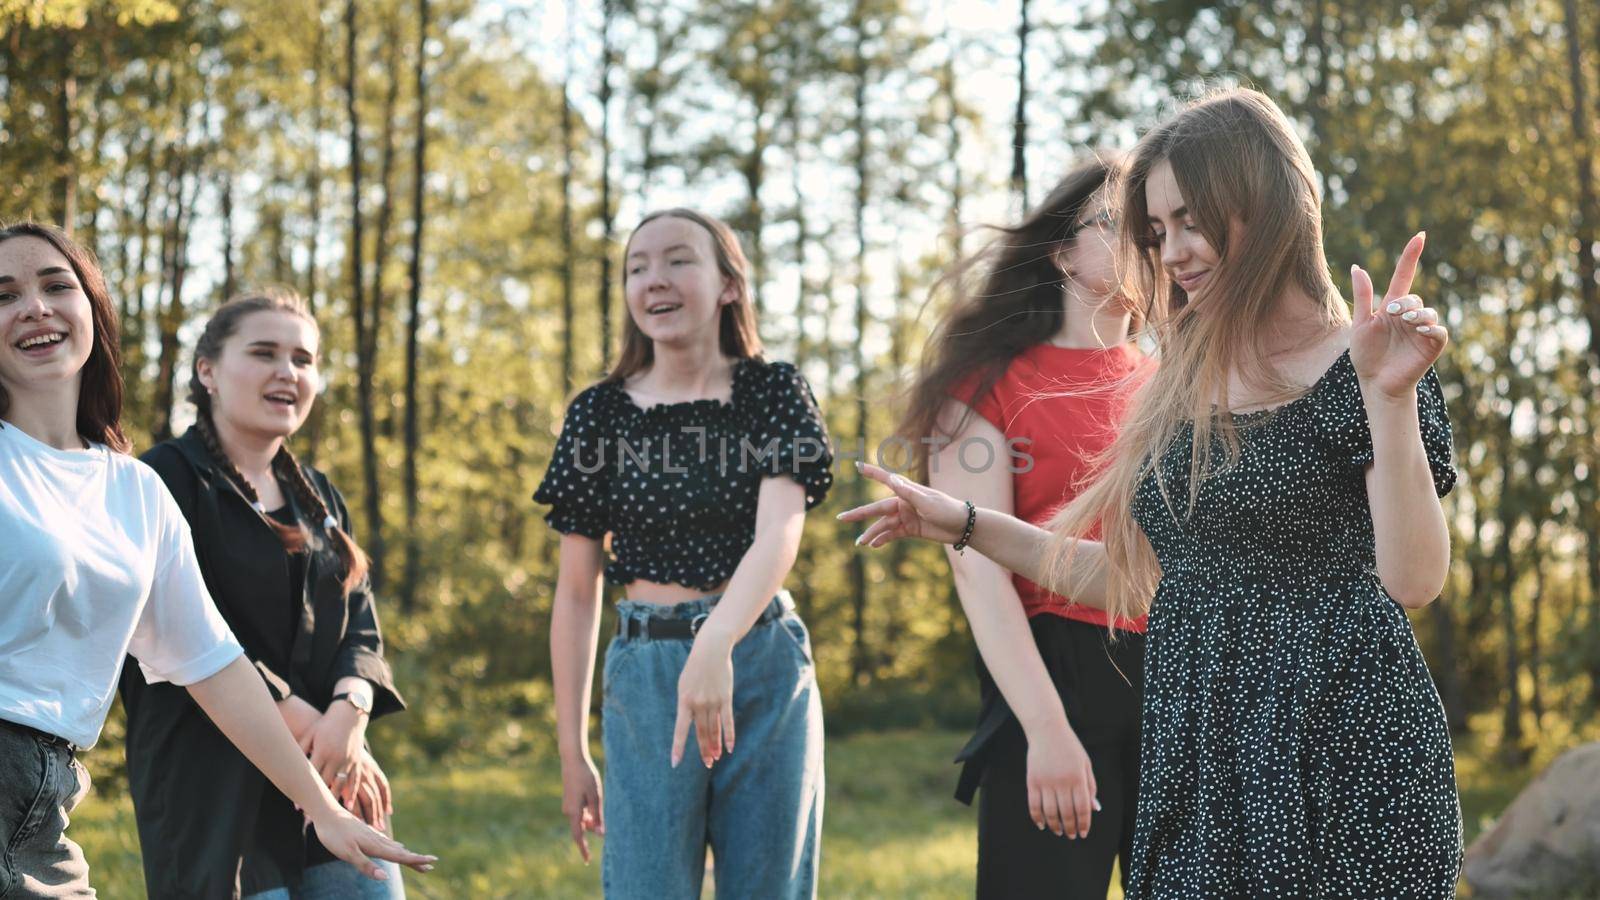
column 575, row 483
column 180, row 637
column 792, row 430
column 361, row 647
column 1345, row 421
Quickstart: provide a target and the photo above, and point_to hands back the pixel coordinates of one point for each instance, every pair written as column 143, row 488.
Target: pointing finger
column 1405, row 270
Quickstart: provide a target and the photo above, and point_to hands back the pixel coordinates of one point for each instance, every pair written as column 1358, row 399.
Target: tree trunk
column 313, row 427
column 569, row 247
column 607, row 224
column 802, row 226
column 1019, row 137
column 373, row 539
column 419, row 171
column 953, row 133
column 227, row 236
column 1588, row 220
column 860, row 655
column 65, row 195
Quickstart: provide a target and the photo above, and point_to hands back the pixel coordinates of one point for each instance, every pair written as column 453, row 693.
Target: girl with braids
column 1273, row 499
column 274, row 544
column 96, row 562
column 1034, row 358
column 699, row 459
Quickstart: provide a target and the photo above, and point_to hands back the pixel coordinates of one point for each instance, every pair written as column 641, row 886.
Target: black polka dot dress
column 676, row 484
column 1294, row 744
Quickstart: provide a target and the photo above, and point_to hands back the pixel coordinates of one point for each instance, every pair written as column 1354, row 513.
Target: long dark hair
column 737, row 335
column 1006, row 298
column 221, row 326
column 100, row 388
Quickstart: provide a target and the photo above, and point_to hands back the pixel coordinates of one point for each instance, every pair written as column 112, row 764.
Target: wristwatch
column 359, row 701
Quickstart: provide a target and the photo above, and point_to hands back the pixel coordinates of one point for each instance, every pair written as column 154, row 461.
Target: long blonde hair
column 1251, row 191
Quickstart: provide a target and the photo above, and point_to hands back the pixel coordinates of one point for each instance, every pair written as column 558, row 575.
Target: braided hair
column 221, row 326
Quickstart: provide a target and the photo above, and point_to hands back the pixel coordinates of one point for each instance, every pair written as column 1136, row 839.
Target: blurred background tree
column 448, row 182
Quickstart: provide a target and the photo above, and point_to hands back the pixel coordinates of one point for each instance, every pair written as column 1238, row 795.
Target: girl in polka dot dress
column 1273, row 501
column 699, row 460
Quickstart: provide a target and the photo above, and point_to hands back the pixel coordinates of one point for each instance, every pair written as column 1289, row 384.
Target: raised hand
column 915, row 511
column 1393, row 342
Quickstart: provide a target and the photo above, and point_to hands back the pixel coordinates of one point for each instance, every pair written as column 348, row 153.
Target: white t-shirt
column 96, row 562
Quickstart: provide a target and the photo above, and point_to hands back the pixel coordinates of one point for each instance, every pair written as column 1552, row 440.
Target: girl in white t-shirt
column 96, row 561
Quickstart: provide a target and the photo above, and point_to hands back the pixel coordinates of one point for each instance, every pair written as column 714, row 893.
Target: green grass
column 891, row 827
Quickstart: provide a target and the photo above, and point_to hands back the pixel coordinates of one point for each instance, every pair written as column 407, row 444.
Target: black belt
column 40, row 735
column 657, row 628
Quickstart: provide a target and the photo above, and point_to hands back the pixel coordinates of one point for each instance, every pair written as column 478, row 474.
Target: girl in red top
column 1020, row 390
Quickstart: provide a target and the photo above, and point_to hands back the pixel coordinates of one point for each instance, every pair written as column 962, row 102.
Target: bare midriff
column 666, row 594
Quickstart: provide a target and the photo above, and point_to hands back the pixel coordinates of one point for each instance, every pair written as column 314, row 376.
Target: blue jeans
column 338, row 880
column 759, row 808
column 40, row 783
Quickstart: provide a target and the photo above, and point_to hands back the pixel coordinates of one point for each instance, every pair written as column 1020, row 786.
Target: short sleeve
column 180, row 636
column 1345, row 419
column 791, row 426
column 984, row 402
column 575, row 483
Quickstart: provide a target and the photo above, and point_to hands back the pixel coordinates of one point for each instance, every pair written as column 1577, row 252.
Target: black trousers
column 1101, row 684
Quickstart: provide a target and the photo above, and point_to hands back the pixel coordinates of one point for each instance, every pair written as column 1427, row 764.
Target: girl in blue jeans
column 700, row 459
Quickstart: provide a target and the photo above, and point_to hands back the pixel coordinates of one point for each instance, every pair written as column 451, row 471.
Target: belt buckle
column 696, row 622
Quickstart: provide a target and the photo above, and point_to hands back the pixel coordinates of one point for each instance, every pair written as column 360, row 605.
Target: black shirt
column 210, row 826
column 676, row 484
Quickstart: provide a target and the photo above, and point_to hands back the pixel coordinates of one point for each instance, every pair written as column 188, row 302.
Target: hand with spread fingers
column 915, row 511
column 1393, row 342
column 358, row 843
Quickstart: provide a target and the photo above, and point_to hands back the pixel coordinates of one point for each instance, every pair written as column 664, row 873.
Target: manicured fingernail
column 675, row 760
column 1423, row 235
column 1393, row 307
column 427, row 868
column 379, row 874
column 1410, row 316
column 1097, row 804
column 1424, row 329
column 858, row 465
column 1040, row 824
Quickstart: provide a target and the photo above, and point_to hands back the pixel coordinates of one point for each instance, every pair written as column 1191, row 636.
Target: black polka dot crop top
column 676, row 484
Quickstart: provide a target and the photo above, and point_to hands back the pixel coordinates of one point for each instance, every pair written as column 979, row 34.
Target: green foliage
column 1447, row 115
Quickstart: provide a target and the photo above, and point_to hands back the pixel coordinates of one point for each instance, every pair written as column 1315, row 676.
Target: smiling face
column 1186, row 255
column 265, row 379
column 46, row 321
column 674, row 287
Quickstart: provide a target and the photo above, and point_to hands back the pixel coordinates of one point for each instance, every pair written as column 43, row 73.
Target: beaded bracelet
column 966, row 535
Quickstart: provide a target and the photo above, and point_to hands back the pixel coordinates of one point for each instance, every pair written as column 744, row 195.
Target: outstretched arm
column 237, row 701
column 918, row 511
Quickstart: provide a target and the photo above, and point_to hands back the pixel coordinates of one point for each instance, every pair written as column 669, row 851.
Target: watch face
column 359, row 702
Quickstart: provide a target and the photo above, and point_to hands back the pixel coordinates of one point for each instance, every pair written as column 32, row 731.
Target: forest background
column 449, row 181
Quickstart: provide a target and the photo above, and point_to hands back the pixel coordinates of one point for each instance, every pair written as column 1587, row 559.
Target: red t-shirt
column 1062, row 432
